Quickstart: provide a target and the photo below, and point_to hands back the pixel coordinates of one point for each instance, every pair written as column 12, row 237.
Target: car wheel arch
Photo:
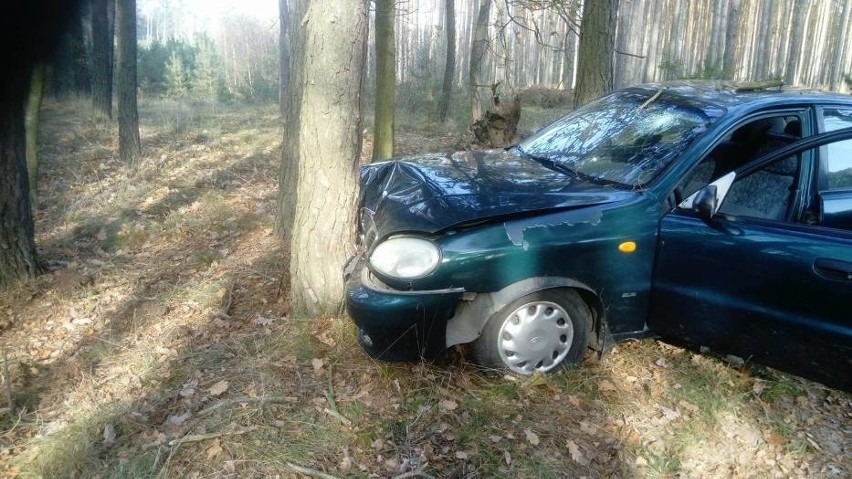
column 471, row 316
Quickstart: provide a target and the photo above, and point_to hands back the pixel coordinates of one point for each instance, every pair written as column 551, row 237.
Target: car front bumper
column 397, row 325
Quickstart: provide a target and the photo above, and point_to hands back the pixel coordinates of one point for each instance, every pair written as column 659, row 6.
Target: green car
column 699, row 213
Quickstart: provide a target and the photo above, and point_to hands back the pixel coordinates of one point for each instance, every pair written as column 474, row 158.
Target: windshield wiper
column 546, row 161
column 598, row 180
column 562, row 168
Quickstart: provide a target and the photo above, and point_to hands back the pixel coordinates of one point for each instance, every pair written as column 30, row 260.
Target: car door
column 769, row 276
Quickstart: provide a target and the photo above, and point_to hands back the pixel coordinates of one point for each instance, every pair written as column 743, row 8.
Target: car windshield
column 625, row 139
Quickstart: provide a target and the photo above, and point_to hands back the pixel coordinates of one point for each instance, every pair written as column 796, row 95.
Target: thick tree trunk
column 30, row 37
column 288, row 174
column 729, row 59
column 17, row 243
column 450, row 66
column 69, row 66
column 129, row 147
column 331, row 80
column 596, row 48
column 284, row 54
column 102, row 41
column 477, row 52
column 837, row 66
column 31, row 126
column 385, row 80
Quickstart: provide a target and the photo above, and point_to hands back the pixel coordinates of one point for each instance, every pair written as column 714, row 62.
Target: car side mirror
column 706, row 202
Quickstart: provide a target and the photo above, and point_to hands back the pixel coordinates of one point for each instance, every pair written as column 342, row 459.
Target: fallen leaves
column 532, row 437
column 218, row 389
column 576, row 454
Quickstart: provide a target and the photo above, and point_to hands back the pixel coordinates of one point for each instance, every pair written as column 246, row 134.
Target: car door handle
column 833, row 269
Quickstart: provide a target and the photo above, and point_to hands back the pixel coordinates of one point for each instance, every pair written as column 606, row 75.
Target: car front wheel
column 542, row 331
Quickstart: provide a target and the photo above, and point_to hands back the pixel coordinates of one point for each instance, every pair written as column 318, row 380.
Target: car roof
column 735, row 96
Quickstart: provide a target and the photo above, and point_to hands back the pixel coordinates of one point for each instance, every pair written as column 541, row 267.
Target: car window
column 838, row 155
column 739, row 147
column 766, row 193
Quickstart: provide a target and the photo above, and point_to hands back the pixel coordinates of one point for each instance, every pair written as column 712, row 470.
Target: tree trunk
column 129, row 148
column 288, row 174
column 385, row 80
column 729, row 59
column 330, row 76
column 31, row 126
column 450, row 67
column 596, row 48
column 284, row 54
column 102, row 41
column 17, row 243
column 842, row 39
column 477, row 52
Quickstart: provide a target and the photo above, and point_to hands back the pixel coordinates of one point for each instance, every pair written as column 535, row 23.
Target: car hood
column 430, row 193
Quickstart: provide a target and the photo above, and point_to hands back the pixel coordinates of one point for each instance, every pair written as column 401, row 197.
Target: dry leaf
column 109, row 435
column 448, row 404
column 576, row 454
column 461, row 455
column 574, row 400
column 588, row 427
column 669, row 414
column 179, row 419
column 495, row 438
column 219, row 388
column 532, row 437
column 317, row 364
column 261, row 321
column 607, row 386
column 662, row 363
column 215, row 449
column 507, row 457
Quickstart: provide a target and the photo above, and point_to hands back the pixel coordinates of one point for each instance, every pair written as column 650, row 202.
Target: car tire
column 543, row 331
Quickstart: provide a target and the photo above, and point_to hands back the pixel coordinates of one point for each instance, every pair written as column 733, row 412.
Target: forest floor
column 158, row 343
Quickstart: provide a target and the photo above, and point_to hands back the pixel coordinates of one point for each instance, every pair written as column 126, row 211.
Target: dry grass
column 159, row 344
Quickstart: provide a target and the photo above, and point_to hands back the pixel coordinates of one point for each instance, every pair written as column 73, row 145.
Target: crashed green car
column 695, row 212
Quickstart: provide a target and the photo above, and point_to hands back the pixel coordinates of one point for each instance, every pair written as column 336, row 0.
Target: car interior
column 766, row 193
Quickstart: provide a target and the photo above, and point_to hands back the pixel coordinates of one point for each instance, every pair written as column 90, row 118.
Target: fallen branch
column 335, row 414
column 246, row 399
column 204, row 437
column 417, row 473
column 309, row 472
column 7, row 383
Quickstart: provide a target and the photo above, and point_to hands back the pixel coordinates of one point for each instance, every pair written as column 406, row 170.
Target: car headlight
column 405, row 257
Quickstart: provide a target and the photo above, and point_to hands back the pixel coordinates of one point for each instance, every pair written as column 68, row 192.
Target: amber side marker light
column 627, row 247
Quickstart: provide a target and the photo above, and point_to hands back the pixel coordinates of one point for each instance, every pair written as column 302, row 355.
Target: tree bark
column 385, row 80
column 596, row 49
column 31, row 126
column 477, row 52
column 288, row 173
column 284, row 54
column 17, row 243
column 129, row 147
column 729, row 59
column 450, row 66
column 102, row 41
column 328, row 128
column 837, row 65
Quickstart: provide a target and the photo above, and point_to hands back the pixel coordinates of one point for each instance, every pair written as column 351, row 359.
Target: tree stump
column 498, row 128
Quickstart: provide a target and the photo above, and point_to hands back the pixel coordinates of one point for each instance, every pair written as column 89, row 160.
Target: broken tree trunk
column 498, row 128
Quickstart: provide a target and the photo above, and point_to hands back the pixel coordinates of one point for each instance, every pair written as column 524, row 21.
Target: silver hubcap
column 535, row 337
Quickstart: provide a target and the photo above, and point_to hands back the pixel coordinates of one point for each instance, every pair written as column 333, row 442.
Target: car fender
column 473, row 312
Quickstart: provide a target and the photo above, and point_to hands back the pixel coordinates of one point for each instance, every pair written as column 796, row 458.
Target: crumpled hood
column 432, row 192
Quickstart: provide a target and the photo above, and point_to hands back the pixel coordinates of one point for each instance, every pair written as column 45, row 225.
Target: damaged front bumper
column 393, row 324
